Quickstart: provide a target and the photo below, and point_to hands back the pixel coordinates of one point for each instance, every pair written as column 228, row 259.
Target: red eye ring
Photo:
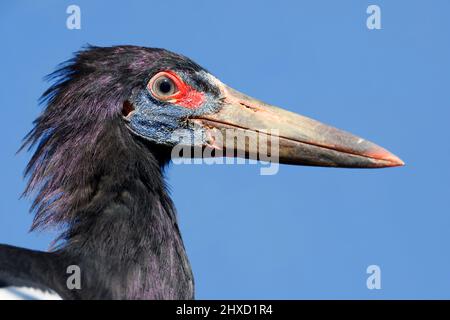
column 163, row 80
column 181, row 94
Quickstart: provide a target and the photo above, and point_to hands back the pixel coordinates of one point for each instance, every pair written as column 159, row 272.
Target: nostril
column 248, row 106
column 127, row 108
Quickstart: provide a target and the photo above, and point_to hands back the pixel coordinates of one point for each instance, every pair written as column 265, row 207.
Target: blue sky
column 305, row 232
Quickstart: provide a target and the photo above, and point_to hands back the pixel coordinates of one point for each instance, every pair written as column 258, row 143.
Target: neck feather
column 120, row 225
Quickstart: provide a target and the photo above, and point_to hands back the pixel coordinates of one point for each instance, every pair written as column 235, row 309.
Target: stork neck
column 125, row 238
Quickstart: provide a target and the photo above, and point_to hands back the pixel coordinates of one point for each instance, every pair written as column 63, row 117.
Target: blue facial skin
column 159, row 121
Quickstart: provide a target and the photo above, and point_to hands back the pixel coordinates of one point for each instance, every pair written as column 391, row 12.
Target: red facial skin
column 186, row 96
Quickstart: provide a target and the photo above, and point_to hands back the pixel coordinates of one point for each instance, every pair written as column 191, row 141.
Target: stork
column 97, row 173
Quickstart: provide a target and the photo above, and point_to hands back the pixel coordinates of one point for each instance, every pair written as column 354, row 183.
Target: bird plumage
column 103, row 186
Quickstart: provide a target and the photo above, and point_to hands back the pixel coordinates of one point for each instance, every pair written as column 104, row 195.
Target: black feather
column 102, row 186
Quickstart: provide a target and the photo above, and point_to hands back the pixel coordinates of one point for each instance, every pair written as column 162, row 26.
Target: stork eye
column 163, row 86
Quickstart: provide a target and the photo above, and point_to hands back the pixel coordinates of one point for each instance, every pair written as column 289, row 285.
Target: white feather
column 23, row 293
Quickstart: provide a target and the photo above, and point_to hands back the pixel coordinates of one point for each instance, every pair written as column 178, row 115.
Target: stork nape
column 97, row 173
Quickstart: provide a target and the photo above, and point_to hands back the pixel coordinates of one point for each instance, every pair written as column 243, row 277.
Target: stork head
column 171, row 92
column 110, row 109
column 154, row 94
column 95, row 164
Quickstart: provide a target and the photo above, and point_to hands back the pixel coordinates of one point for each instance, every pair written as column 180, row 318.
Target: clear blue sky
column 305, row 232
